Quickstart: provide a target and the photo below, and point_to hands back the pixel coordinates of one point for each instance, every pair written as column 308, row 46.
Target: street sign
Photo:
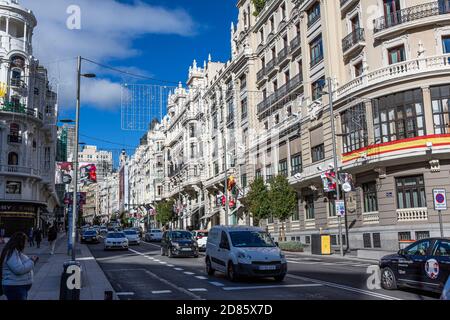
column 340, row 208
column 440, row 199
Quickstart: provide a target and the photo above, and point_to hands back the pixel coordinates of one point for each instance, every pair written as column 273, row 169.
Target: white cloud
column 108, row 29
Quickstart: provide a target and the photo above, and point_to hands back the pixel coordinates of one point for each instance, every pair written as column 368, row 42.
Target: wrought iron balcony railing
column 352, row 39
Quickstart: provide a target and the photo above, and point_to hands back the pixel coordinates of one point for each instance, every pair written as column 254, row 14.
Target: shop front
column 15, row 217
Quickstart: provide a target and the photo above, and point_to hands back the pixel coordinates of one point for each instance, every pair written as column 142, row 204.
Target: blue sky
column 126, row 35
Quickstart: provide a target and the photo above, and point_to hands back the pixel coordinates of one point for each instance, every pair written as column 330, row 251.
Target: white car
column 244, row 251
column 153, row 235
column 202, row 238
column 132, row 236
column 116, row 240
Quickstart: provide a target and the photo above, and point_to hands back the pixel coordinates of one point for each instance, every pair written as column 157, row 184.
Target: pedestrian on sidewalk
column 52, row 235
column 31, row 237
column 16, row 269
column 38, row 237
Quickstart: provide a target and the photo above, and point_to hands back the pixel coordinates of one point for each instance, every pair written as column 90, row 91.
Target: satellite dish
column 347, row 187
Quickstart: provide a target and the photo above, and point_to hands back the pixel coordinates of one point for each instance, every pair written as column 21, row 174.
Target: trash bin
column 321, row 244
column 66, row 293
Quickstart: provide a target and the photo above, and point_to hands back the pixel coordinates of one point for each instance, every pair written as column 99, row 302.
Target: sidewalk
column 48, row 270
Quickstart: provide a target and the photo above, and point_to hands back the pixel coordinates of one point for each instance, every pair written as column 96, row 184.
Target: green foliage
column 282, row 198
column 292, row 246
column 164, row 212
column 259, row 6
column 257, row 200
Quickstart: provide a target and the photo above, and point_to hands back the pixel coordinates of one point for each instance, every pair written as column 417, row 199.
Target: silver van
column 244, row 251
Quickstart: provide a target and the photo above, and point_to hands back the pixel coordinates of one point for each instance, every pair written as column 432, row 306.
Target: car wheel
column 280, row 278
column 388, row 279
column 209, row 269
column 231, row 272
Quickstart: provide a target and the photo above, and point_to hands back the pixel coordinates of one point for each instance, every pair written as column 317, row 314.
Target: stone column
column 428, row 110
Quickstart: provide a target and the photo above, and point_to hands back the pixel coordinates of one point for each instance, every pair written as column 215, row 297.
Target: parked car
column 178, row 243
column 116, row 240
column 138, row 230
column 244, row 251
column 202, row 238
column 90, row 236
column 425, row 265
column 132, row 236
column 153, row 235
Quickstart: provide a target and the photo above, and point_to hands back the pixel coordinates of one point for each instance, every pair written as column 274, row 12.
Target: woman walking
column 38, row 237
column 52, row 235
column 16, row 269
column 31, row 237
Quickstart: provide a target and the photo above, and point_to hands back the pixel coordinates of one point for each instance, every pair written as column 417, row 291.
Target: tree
column 164, row 212
column 257, row 200
column 282, row 200
column 259, row 6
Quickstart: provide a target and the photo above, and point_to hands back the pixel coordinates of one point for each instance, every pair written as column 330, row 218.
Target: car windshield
column 180, row 235
column 130, row 232
column 90, row 233
column 251, row 239
column 116, row 235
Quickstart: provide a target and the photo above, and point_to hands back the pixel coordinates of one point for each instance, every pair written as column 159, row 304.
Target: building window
column 277, row 119
column 192, row 130
column 440, row 97
column 318, row 153
column 397, row 54
column 272, row 24
column 370, row 197
column 316, row 51
column 244, row 109
column 317, row 88
column 354, row 128
column 261, row 37
column 13, row 159
column 309, row 207
column 404, row 236
column 270, row 219
column 411, row 192
column 367, row 240
column 296, row 163
column 269, row 173
column 283, row 168
column 332, row 204
column 313, row 14
column 283, row 11
column 446, row 44
column 307, row 239
column 359, row 69
column 258, row 174
column 244, row 180
column 399, row 116
column 192, row 150
column 376, row 237
column 420, row 235
column 13, row 187
column 296, row 214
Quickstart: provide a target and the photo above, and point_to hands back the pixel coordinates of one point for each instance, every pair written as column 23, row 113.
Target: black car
column 90, row 236
column 178, row 243
column 425, row 265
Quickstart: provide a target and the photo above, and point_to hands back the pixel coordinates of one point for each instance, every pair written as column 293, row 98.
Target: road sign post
column 440, row 203
column 340, row 212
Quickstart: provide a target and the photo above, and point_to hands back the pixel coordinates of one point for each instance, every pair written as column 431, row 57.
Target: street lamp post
column 335, row 160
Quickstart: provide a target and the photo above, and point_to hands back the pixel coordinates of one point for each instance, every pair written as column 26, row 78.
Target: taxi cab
column 424, row 265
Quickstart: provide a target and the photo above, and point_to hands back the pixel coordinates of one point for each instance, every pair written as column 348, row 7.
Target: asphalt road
column 141, row 273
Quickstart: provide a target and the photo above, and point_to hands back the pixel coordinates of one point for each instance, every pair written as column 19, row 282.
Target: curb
column 333, row 256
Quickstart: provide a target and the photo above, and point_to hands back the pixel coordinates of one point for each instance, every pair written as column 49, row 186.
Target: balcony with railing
column 18, row 108
column 284, row 91
column 347, row 4
column 393, row 72
column 9, row 169
column 14, row 139
column 412, row 214
column 427, row 13
column 353, row 41
column 261, row 74
column 271, row 66
column 283, row 55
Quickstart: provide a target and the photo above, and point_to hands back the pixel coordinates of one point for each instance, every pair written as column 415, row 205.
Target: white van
column 244, row 251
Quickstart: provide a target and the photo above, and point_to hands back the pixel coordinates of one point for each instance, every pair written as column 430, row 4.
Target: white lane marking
column 274, row 286
column 201, row 277
column 85, row 259
column 343, row 287
column 217, row 284
column 161, row 291
column 157, row 260
column 162, row 262
column 198, row 290
column 179, row 269
column 125, row 293
column 189, row 273
column 170, row 265
column 303, row 262
column 361, row 265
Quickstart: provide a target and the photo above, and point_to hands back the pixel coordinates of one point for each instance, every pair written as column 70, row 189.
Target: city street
column 143, row 274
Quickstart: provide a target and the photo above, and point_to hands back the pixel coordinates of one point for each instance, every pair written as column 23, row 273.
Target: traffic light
column 231, row 183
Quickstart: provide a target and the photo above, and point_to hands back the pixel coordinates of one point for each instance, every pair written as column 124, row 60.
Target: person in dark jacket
column 52, row 235
column 38, row 237
column 16, row 269
column 31, row 237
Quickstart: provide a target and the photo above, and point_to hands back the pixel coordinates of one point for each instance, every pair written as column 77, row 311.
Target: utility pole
column 335, row 159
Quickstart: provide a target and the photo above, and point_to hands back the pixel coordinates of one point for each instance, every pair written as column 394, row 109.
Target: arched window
column 13, row 159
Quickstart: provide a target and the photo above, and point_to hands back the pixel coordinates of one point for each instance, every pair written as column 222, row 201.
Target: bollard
column 70, row 285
